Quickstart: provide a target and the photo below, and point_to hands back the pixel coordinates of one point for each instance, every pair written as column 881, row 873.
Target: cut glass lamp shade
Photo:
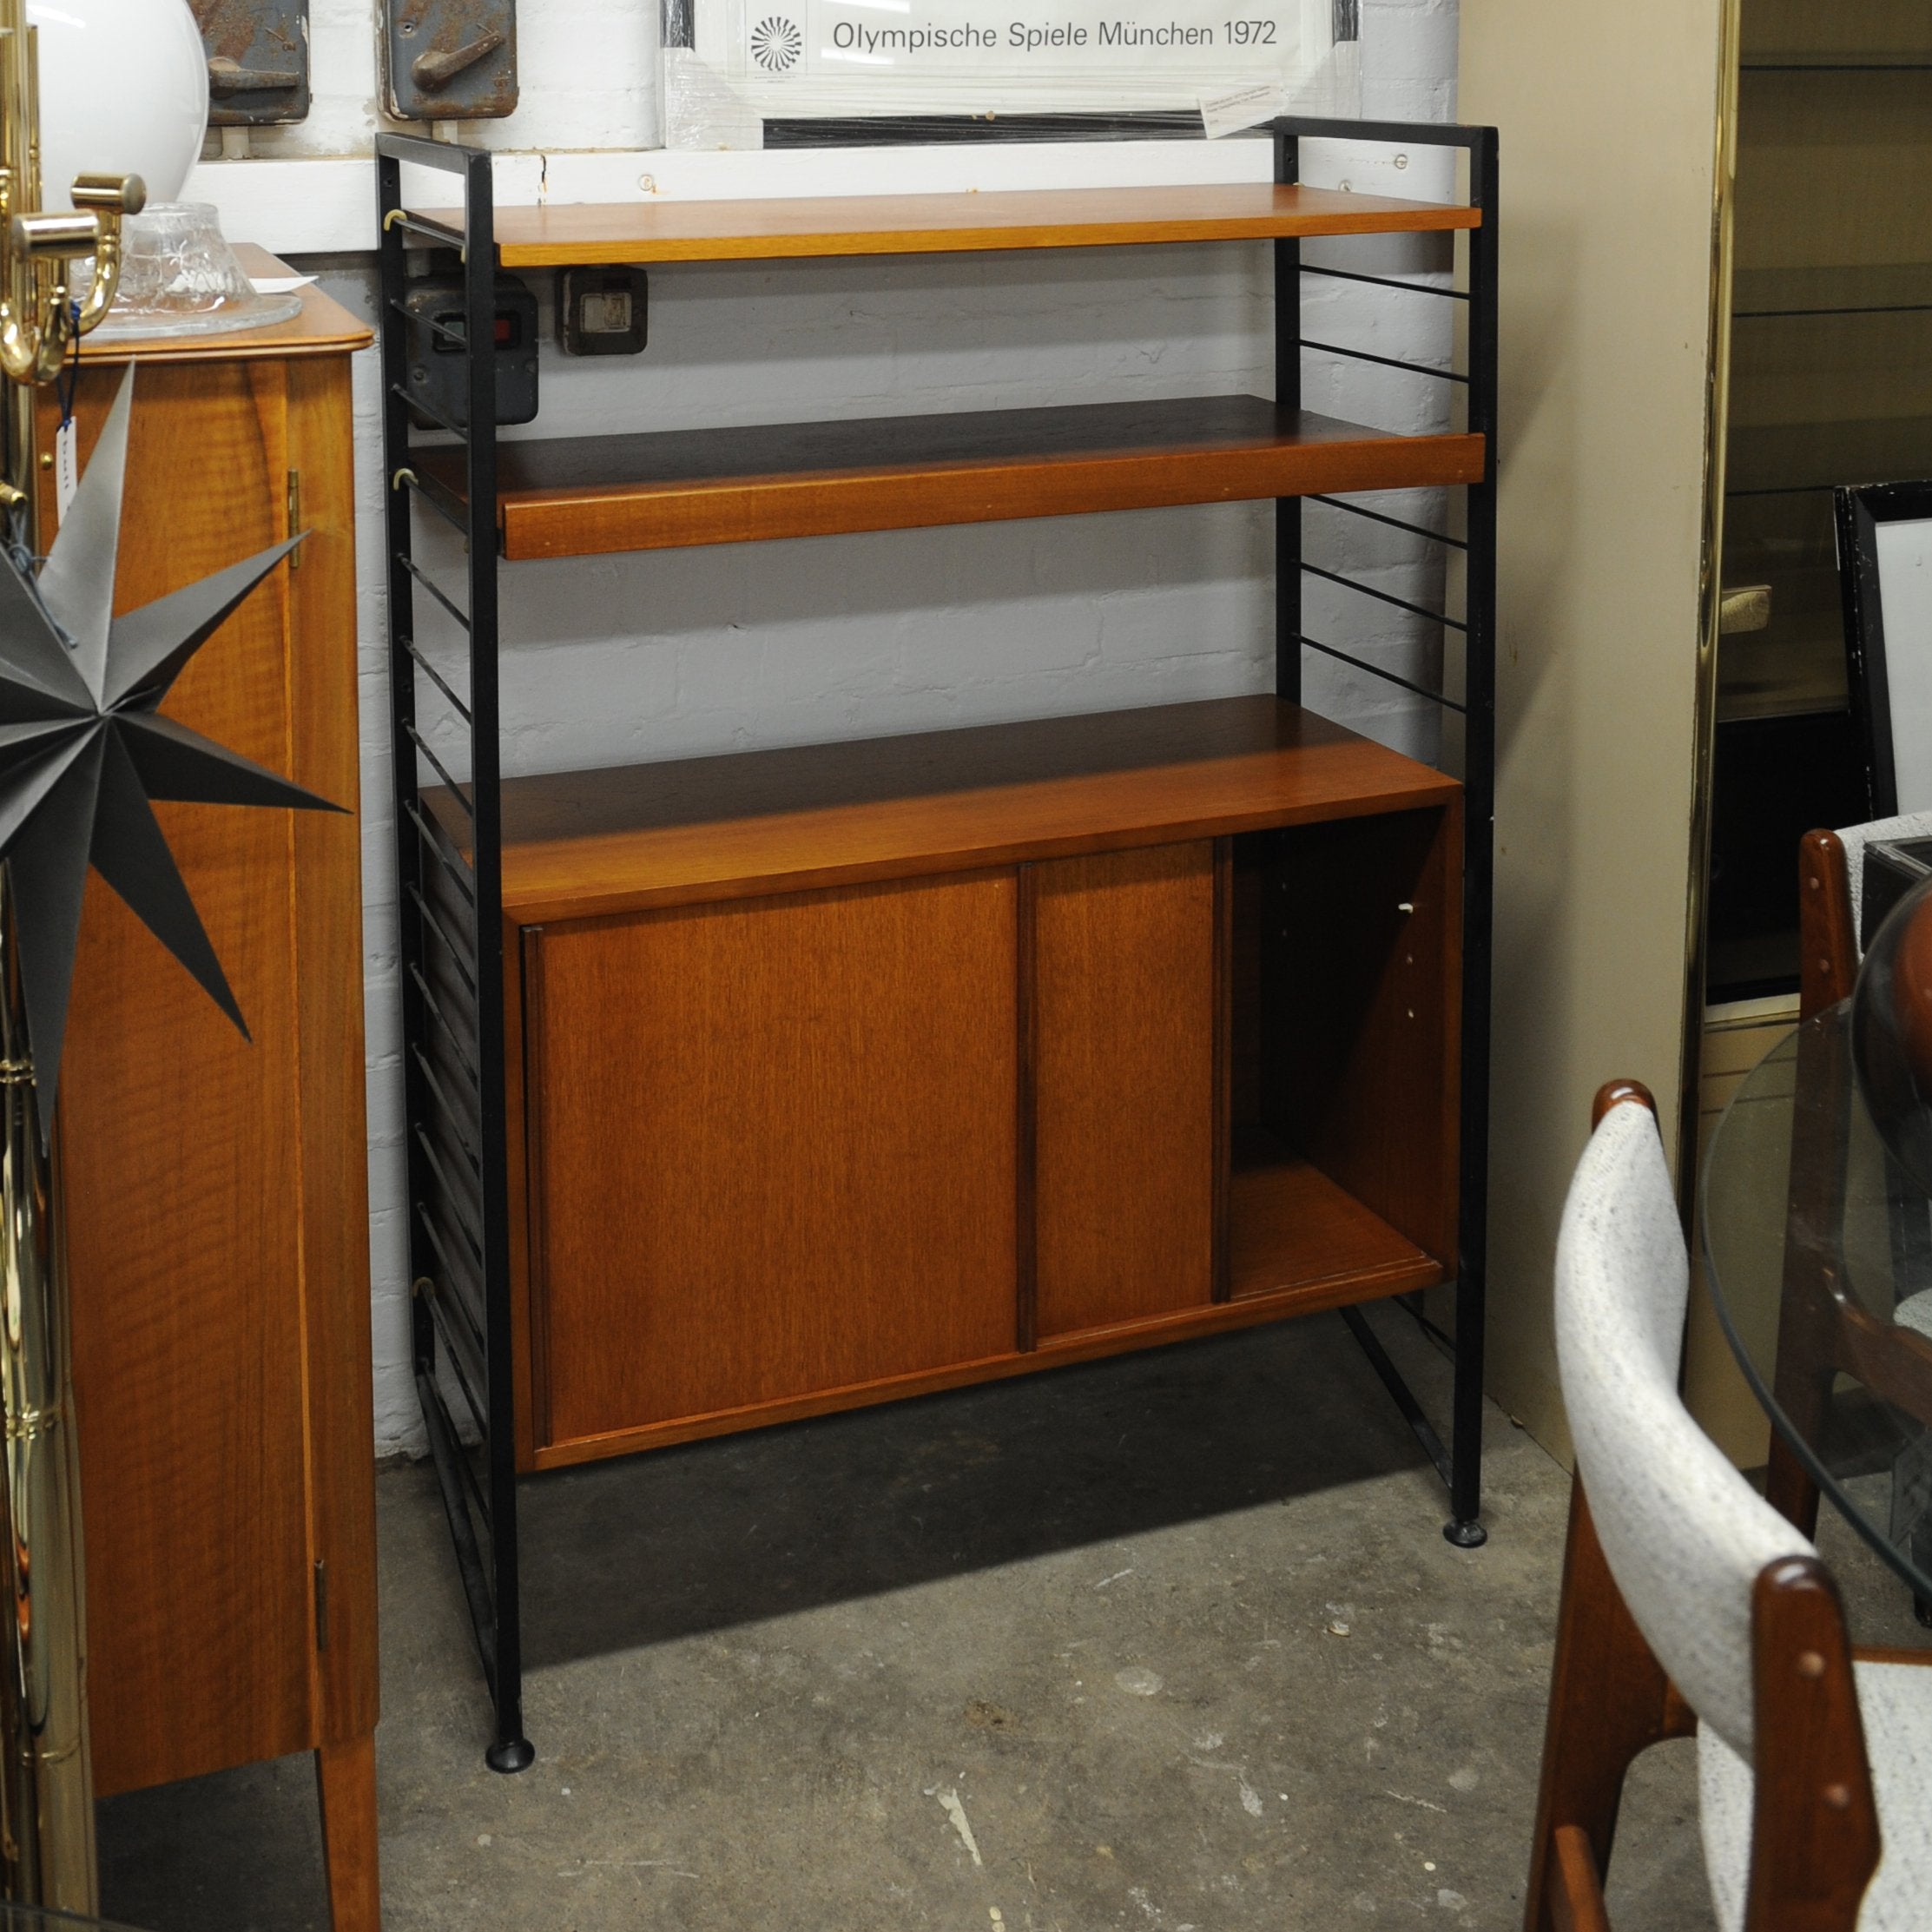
column 179, row 277
column 123, row 90
column 1891, row 1033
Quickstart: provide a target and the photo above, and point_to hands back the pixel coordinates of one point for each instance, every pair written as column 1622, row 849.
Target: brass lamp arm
column 37, row 321
column 110, row 197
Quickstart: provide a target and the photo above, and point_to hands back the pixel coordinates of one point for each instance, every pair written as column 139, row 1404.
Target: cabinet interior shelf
column 662, row 489
column 593, row 234
column 1292, row 1231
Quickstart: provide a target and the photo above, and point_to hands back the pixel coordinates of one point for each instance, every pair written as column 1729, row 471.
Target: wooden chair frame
column 1815, row 1838
column 1823, row 1332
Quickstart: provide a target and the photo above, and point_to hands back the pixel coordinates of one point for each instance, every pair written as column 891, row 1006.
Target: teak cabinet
column 963, row 1054
column 216, row 1191
column 744, row 1088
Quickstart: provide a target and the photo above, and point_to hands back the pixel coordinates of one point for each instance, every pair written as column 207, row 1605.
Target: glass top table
column 1818, row 1254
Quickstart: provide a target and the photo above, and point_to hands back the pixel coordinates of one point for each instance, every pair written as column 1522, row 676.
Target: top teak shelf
column 587, row 234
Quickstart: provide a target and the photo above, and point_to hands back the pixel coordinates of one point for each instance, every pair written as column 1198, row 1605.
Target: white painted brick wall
column 698, row 651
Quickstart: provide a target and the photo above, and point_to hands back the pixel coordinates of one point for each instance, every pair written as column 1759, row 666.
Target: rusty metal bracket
column 449, row 59
column 257, row 61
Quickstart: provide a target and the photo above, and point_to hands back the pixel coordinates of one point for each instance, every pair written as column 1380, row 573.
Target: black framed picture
column 1885, row 572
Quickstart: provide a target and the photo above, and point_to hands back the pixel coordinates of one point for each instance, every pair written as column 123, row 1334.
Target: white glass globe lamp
column 123, row 90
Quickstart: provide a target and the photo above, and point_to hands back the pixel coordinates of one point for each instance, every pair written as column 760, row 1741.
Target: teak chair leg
column 345, row 1776
column 1609, row 1701
column 1789, row 1488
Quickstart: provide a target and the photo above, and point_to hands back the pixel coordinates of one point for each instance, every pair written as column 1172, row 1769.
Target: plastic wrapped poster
column 737, row 70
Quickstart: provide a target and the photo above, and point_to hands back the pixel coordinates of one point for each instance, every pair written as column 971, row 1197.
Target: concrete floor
column 1165, row 1643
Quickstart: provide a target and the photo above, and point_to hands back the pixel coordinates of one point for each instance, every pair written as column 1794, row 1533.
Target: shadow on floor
column 700, row 1538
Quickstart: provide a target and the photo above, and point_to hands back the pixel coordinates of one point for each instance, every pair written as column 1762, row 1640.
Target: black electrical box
column 257, row 61
column 438, row 370
column 603, row 311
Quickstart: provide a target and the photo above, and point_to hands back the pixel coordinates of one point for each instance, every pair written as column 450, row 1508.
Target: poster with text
column 1235, row 62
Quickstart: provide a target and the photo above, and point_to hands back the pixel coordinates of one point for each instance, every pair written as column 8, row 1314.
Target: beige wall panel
column 1608, row 118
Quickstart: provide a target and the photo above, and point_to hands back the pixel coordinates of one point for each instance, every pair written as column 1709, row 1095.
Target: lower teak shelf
column 845, row 1073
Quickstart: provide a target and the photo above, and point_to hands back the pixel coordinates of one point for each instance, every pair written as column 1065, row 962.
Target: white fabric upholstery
column 1685, row 1534
column 1895, row 1702
column 1914, row 1312
column 1855, row 838
column 1724, row 1790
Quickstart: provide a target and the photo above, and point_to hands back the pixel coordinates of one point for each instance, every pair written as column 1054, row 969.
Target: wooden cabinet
column 217, row 1219
column 1101, row 1031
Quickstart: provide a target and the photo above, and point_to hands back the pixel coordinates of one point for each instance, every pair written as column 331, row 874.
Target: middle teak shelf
column 666, row 490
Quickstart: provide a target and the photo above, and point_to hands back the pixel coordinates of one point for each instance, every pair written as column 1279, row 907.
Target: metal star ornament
column 82, row 750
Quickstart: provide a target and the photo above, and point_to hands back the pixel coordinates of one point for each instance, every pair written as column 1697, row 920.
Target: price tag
column 67, row 468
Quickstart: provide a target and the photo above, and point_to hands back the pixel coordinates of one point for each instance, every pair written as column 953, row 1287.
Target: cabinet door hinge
column 321, row 1605
column 295, row 516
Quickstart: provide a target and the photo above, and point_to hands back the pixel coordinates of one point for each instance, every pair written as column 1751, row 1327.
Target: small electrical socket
column 603, row 311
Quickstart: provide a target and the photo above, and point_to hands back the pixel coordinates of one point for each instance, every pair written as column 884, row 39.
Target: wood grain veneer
column 188, row 1305
column 579, row 844
column 667, row 489
column 1250, row 1311
column 345, row 1784
column 1291, row 1227
column 324, row 858
column 1123, row 1077
column 774, row 1147
column 594, row 233
column 218, row 1217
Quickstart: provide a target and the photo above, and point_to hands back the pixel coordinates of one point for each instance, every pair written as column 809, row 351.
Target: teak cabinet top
column 323, row 328
column 587, row 844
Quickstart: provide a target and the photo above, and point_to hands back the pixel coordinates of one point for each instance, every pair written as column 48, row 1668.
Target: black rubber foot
column 1922, row 1611
column 518, row 1755
column 1465, row 1536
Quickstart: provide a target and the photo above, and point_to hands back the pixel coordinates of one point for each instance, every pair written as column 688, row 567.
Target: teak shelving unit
column 1121, row 1028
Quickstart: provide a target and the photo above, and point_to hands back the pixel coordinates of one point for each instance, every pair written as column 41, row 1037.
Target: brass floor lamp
column 46, row 1789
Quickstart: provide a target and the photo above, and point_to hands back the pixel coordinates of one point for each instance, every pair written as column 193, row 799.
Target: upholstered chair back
column 1684, row 1533
column 1855, row 838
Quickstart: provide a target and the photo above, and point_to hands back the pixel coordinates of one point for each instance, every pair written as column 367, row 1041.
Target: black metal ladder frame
column 456, row 1122
column 1461, row 1465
